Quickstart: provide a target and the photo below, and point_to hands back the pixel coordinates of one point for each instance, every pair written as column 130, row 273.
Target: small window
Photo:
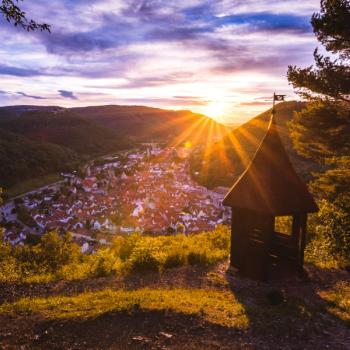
column 284, row 224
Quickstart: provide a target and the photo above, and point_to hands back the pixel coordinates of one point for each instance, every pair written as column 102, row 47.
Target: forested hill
column 147, row 124
column 129, row 123
column 22, row 158
column 87, row 132
column 233, row 152
column 66, row 129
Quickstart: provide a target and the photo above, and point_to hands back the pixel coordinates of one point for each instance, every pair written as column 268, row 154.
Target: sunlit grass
column 338, row 299
column 217, row 307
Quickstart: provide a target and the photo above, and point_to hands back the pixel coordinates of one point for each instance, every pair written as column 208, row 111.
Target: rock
column 140, row 338
column 166, row 335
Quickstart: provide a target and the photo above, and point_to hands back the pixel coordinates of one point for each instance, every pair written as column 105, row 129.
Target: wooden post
column 302, row 243
column 270, row 230
column 232, row 258
column 296, row 233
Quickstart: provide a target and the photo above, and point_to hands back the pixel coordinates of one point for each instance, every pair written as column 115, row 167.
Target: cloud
column 35, row 97
column 18, row 71
column 23, row 94
column 67, row 94
column 269, row 22
column 255, row 103
column 166, row 53
column 183, row 101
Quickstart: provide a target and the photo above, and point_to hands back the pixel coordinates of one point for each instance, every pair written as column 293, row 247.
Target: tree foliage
column 14, row 14
column 330, row 77
column 332, row 26
column 321, row 130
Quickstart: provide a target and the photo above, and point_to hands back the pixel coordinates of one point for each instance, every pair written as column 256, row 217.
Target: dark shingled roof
column 270, row 183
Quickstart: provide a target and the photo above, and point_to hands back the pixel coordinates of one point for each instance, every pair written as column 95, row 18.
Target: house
column 89, row 183
column 123, row 176
column 85, row 248
column 127, row 229
column 96, row 226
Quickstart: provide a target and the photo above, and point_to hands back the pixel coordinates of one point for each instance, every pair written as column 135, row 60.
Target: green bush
column 143, row 260
column 124, row 245
column 174, row 259
column 329, row 234
column 198, row 258
column 49, row 255
column 105, row 263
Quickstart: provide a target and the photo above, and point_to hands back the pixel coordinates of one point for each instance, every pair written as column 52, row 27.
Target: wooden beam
column 302, row 243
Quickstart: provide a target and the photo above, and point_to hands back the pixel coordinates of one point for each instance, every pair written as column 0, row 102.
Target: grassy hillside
column 233, row 152
column 169, row 292
column 22, row 158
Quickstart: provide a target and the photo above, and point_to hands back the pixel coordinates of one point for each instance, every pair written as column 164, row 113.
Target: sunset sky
column 221, row 58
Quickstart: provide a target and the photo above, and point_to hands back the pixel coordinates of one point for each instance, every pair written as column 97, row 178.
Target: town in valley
column 147, row 190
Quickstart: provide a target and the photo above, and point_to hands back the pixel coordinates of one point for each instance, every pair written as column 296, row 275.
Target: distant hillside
column 22, row 159
column 146, row 124
column 128, row 123
column 64, row 128
column 223, row 163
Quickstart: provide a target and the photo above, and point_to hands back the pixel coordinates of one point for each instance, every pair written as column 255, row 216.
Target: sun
column 215, row 110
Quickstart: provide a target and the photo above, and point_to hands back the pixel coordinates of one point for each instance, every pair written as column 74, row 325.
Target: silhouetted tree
column 13, row 14
column 322, row 129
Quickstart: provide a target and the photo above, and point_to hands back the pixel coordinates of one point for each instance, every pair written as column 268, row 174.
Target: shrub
column 220, row 238
column 56, row 257
column 329, row 230
column 198, row 258
column 10, row 270
column 55, row 251
column 52, row 252
column 143, row 260
column 174, row 259
column 105, row 263
column 124, row 245
column 75, row 271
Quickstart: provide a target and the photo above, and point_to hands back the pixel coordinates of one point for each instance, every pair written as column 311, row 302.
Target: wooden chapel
column 268, row 188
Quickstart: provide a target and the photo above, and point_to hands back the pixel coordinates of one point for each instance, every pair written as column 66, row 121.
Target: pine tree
column 322, row 130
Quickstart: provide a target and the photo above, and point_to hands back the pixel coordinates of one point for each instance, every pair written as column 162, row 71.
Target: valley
column 147, row 190
column 48, row 140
